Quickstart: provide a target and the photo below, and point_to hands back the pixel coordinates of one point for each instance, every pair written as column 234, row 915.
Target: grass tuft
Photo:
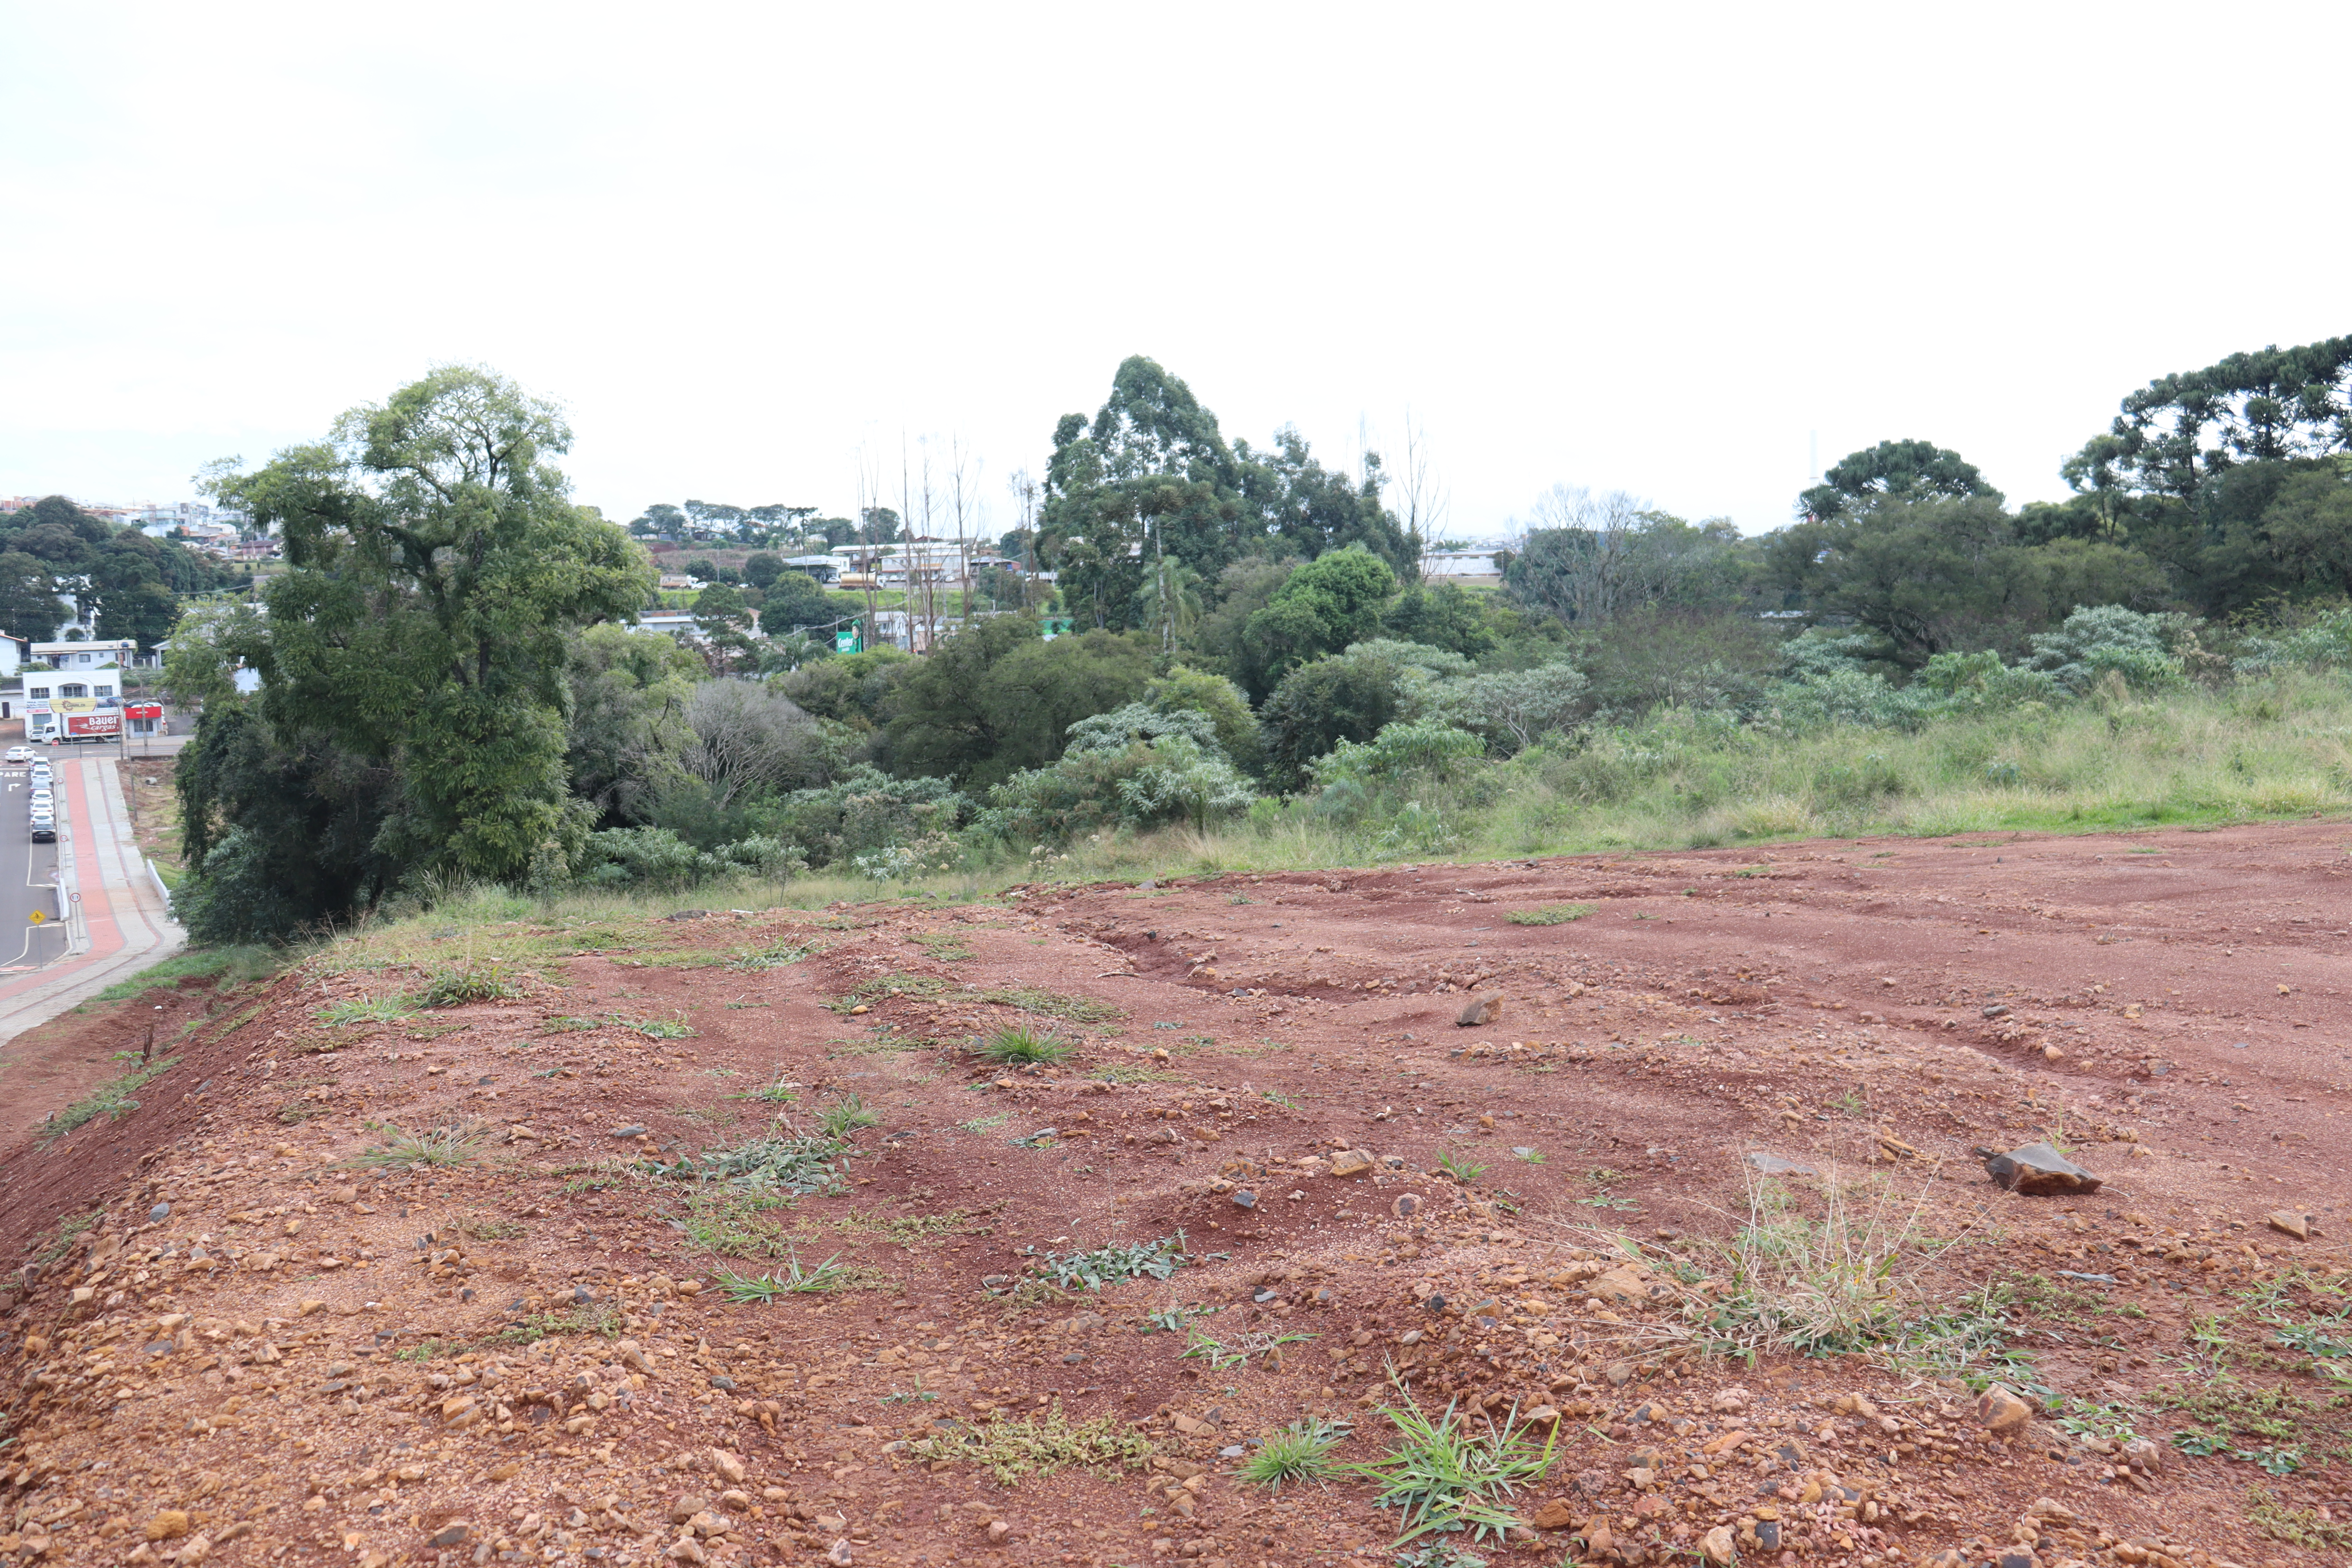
column 437, row 1147
column 794, row 1280
column 1299, row 1452
column 1012, row 1451
column 1445, row 1477
column 112, row 1100
column 1019, row 1045
column 1551, row 914
column 455, row 987
column 1115, row 1261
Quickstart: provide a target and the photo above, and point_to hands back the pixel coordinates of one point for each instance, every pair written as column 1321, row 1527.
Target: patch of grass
column 68, row 1230
column 1053, row 1004
column 1839, row 1278
column 2231, row 1409
column 1012, row 1451
column 1551, row 914
column 601, row 1319
column 2295, row 1526
column 362, row 1010
column 113, row 1100
column 1299, row 1452
column 986, row 1123
column 737, row 1223
column 435, row 1147
column 295, row 1112
column 794, row 1280
column 885, row 987
column 455, row 987
column 847, row 1115
column 1445, row 1477
column 774, row 956
column 776, row 1093
column 800, row 1164
column 1121, row 1072
column 227, row 966
column 904, row 1229
column 1231, row 1355
column 1460, row 1166
column 1018, row 1044
column 1115, row 1261
column 948, row 947
column 483, row 1228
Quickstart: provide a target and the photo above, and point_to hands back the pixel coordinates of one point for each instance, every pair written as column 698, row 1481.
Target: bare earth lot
column 528, row 1355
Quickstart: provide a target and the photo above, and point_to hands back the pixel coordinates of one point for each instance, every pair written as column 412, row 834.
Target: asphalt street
column 29, row 875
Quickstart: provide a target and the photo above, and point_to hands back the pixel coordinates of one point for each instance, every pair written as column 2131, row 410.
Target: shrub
column 2092, row 642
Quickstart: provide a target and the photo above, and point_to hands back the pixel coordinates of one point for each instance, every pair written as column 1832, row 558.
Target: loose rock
column 1479, row 1010
column 1999, row 1409
column 2036, row 1170
column 2292, row 1223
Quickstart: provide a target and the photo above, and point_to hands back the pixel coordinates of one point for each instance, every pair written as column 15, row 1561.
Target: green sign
column 847, row 639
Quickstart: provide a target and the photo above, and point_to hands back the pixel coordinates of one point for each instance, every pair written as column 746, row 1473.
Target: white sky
column 1647, row 248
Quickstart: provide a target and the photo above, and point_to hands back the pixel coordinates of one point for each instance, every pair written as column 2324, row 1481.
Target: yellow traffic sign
column 38, row 917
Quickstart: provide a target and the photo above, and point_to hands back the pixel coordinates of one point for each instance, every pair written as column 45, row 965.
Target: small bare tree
column 1604, row 566
column 1420, row 493
column 748, row 739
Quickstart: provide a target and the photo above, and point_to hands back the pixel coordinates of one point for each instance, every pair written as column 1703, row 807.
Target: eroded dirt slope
column 239, row 1336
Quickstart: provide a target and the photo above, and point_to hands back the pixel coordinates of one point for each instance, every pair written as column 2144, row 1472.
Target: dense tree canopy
column 437, row 572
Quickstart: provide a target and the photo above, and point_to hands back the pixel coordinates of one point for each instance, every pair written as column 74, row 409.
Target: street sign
column 37, row 916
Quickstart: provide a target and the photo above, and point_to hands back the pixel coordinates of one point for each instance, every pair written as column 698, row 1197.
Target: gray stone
column 633, row 1129
column 2036, row 1170
column 1245, row 1199
column 159, row 1213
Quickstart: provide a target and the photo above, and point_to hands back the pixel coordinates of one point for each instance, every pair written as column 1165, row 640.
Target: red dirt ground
column 261, row 1357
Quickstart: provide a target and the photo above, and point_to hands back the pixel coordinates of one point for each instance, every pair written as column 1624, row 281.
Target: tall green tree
column 29, row 605
column 1149, row 476
column 1894, row 470
column 1301, row 506
column 1330, row 602
column 2272, row 404
column 437, row 571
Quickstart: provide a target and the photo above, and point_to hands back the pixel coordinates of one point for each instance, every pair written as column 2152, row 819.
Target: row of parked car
column 45, row 800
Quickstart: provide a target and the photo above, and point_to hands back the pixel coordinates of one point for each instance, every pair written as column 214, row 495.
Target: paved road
column 118, row 922
column 29, row 882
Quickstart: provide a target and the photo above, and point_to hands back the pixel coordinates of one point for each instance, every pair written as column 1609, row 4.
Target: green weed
column 1019, row 1045
column 455, row 987
column 362, row 1010
column 1460, row 1166
column 1231, row 1355
column 795, row 1279
column 1444, row 1477
column 1299, row 1452
column 1115, row 1261
column 1012, row 1451
column 436, row 1146
column 1551, row 914
column 113, row 1099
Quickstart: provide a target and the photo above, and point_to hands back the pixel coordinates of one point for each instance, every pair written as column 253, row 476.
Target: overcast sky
column 1639, row 247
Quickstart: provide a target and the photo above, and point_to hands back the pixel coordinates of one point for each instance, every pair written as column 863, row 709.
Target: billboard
column 145, row 710
column 106, row 722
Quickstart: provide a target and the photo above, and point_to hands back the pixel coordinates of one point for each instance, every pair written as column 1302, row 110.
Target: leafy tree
column 1035, row 692
column 1231, row 722
column 29, row 605
column 834, row 530
column 760, row 569
column 1242, row 589
column 1894, row 470
column 1302, row 506
column 1600, row 556
column 626, row 724
column 881, row 526
column 794, row 600
column 1330, row 602
column 751, row 740
column 659, row 521
column 945, row 722
column 283, row 830
column 437, row 575
column 1934, row 576
column 1341, row 696
column 2270, row 406
column 855, row 690
column 725, row 622
column 703, row 569
column 1150, row 471
column 1441, row 617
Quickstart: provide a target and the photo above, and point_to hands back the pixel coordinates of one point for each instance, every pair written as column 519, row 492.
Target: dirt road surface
column 527, row 1343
